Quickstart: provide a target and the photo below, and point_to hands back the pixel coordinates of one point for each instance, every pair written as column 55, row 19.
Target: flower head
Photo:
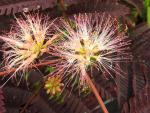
column 92, row 40
column 27, row 41
column 53, row 85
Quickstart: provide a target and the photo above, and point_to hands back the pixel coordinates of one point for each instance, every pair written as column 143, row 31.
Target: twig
column 63, row 8
column 31, row 66
column 62, row 5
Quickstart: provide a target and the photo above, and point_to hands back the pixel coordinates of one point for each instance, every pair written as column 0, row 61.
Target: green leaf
column 148, row 16
column 37, row 85
column 49, row 69
column 147, row 3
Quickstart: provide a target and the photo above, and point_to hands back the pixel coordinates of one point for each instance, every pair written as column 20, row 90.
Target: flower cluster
column 53, row 85
column 27, row 41
column 91, row 41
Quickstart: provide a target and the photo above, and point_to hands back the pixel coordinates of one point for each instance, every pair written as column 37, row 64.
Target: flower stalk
column 95, row 91
column 45, row 63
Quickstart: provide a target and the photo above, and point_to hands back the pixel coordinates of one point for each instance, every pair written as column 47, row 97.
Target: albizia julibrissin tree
column 86, row 41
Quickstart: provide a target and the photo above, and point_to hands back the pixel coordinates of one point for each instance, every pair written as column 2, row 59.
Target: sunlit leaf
column 148, row 16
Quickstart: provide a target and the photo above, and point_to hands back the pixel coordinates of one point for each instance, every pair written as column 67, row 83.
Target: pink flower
column 28, row 40
column 91, row 41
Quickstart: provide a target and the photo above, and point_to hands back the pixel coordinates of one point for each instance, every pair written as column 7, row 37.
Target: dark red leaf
column 2, row 108
column 139, row 103
column 109, row 6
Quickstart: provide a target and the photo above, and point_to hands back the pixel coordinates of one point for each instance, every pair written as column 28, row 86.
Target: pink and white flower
column 89, row 40
column 27, row 41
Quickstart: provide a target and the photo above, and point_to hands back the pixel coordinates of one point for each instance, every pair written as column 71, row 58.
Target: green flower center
column 88, row 52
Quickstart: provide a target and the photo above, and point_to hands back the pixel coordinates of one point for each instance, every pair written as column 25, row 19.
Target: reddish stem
column 31, row 66
column 96, row 93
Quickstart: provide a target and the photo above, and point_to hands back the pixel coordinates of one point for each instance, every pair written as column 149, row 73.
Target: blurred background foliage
column 147, row 8
column 127, row 96
column 139, row 11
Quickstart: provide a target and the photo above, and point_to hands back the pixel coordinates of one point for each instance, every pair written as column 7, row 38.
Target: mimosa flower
column 27, row 41
column 53, row 85
column 91, row 40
